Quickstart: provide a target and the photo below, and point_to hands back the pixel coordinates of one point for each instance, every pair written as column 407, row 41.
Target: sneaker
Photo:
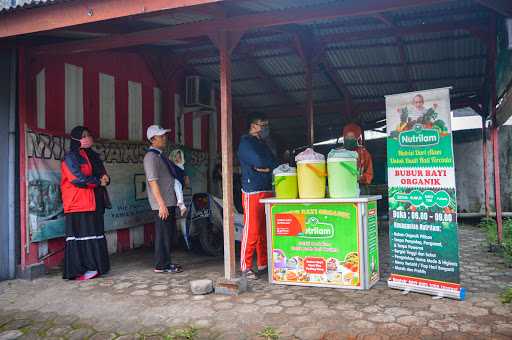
column 88, row 275
column 250, row 275
column 173, row 269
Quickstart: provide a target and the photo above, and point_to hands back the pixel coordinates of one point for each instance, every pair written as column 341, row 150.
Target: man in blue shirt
column 257, row 163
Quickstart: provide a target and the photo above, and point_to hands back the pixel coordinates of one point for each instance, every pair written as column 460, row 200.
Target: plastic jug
column 285, row 182
column 343, row 173
column 311, row 174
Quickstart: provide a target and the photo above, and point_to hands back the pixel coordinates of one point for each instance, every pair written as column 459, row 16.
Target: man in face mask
column 352, row 140
column 256, row 163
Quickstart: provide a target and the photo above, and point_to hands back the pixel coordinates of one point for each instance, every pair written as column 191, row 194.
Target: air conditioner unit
column 198, row 91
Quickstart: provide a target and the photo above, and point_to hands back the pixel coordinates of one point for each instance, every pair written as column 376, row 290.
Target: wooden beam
column 226, row 41
column 73, row 13
column 241, row 23
column 502, row 7
column 361, row 83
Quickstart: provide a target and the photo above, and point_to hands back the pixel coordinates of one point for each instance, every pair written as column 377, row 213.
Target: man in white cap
column 160, row 177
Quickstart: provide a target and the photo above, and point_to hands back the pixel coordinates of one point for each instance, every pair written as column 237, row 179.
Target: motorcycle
column 202, row 228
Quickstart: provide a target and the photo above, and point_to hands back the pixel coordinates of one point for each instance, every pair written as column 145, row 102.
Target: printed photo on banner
column 427, row 109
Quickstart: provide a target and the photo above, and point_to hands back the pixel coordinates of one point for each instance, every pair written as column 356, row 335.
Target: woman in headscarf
column 84, row 198
column 353, row 140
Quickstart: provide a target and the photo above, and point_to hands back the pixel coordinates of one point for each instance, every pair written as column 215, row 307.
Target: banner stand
column 423, row 229
column 442, row 293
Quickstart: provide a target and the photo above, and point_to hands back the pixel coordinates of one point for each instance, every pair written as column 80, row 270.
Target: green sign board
column 422, row 195
column 318, row 244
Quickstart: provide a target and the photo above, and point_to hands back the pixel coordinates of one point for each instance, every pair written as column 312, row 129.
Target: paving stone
column 411, row 320
column 129, row 337
column 267, row 302
column 375, row 337
column 371, row 309
column 345, row 306
column 308, row 333
column 291, row 303
column 324, row 312
column 103, row 336
column 58, row 331
column 361, row 324
column 397, row 311
column 504, row 329
column 122, row 285
column 223, row 305
column 502, row 310
column 201, row 287
column 81, row 333
column 10, row 335
column 17, row 324
column 445, row 325
column 247, row 309
column 475, row 328
column 382, row 318
column 393, row 329
column 474, row 311
column 296, row 310
column 139, row 292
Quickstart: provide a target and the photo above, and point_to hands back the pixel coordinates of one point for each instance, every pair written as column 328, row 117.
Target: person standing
column 83, row 196
column 161, row 177
column 257, row 163
column 353, row 141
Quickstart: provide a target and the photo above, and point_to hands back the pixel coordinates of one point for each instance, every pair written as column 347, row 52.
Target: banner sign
column 422, row 195
column 318, row 244
column 124, row 164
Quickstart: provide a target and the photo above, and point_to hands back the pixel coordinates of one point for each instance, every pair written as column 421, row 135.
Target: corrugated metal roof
column 370, row 67
column 272, row 5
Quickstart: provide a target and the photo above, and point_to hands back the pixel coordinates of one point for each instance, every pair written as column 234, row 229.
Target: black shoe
column 263, row 272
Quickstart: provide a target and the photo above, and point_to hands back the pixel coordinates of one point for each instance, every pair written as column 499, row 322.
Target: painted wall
column 116, row 96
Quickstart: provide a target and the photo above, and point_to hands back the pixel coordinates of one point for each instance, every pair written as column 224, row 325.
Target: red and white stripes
column 115, row 95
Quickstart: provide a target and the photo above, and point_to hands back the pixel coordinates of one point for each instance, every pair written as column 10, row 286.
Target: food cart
column 323, row 242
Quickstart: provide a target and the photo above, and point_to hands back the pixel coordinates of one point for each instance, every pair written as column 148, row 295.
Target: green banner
column 317, row 244
column 422, row 194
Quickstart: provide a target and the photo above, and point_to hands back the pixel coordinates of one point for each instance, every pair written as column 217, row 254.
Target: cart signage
column 422, row 193
column 319, row 245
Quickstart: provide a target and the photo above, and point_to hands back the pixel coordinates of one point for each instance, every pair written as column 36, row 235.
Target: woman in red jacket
column 83, row 196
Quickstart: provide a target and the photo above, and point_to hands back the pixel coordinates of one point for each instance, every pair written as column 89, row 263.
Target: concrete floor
column 133, row 302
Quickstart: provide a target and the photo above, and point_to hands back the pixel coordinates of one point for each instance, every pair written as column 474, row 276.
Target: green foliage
column 490, row 227
column 506, row 296
column 269, row 333
column 189, row 333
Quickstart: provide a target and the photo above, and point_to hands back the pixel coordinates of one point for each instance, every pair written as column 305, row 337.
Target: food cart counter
column 323, row 242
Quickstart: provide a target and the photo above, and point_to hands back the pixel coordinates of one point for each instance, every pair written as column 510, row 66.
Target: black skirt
column 86, row 246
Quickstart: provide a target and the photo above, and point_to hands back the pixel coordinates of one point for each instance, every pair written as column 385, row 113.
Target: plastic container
column 343, row 174
column 311, row 174
column 285, row 182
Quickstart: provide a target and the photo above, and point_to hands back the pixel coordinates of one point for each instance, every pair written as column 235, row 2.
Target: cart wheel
column 212, row 240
